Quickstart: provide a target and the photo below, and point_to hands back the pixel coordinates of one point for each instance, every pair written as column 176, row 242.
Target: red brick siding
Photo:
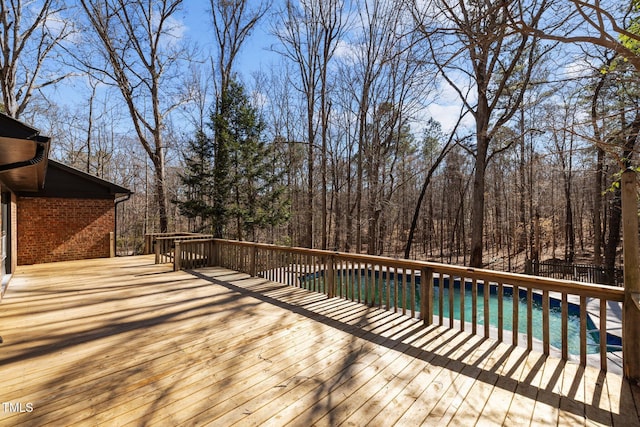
column 57, row 229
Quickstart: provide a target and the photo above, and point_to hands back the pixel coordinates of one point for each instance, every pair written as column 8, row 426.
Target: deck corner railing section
column 163, row 244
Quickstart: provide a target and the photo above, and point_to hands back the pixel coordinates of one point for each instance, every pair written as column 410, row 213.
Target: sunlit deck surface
column 126, row 342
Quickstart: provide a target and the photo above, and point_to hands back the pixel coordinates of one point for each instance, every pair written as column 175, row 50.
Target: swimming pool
column 348, row 283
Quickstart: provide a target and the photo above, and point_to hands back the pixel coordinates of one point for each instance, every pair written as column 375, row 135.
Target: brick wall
column 57, row 229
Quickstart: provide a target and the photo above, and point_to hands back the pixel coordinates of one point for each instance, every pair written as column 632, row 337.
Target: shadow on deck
column 120, row 341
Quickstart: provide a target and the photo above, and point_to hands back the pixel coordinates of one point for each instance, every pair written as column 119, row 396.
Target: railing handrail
column 184, row 237
column 613, row 293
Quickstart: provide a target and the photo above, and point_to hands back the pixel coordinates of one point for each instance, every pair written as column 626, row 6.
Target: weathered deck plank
column 125, row 342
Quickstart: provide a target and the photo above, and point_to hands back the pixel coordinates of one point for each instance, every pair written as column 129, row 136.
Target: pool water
column 348, row 285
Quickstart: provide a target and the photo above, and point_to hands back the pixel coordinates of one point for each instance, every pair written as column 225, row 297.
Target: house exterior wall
column 63, row 229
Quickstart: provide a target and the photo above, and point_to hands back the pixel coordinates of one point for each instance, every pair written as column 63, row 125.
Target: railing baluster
column 529, row 318
column 306, row 271
column 357, row 294
column 377, row 286
column 404, row 291
column 346, row 279
column 603, row 334
column 500, row 295
column 361, row 283
column 276, row 266
column 545, row 322
column 514, row 316
column 388, row 287
column 292, row 269
column 474, row 306
column 342, row 275
column 395, row 291
column 565, row 326
column 426, row 296
column 352, row 286
column 583, row 330
column 452, row 291
column 486, row 287
column 412, row 295
column 365, row 284
column 441, row 299
column 316, row 273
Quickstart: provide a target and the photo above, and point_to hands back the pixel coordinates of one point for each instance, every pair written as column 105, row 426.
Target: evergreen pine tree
column 256, row 199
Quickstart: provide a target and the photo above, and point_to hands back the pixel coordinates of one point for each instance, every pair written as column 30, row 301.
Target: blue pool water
column 350, row 284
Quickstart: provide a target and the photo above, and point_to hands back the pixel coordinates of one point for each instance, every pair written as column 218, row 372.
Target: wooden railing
column 162, row 244
column 513, row 308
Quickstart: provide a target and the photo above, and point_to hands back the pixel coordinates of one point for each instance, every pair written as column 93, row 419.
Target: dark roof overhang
column 69, row 182
column 23, row 155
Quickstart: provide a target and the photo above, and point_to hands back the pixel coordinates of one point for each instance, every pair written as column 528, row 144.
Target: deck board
column 126, row 342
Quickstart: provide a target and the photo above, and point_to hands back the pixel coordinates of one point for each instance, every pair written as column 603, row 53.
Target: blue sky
column 255, row 52
column 195, row 18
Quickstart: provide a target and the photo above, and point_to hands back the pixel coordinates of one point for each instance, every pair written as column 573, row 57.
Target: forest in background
column 477, row 133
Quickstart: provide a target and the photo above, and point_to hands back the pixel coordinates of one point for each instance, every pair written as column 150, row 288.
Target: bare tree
column 309, row 37
column 433, row 137
column 30, row 32
column 374, row 47
column 137, row 51
column 562, row 122
column 604, row 23
column 473, row 46
column 332, row 28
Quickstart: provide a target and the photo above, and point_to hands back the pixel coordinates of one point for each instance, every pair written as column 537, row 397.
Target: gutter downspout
column 115, row 222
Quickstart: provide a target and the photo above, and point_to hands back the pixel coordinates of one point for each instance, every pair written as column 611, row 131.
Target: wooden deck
column 126, row 342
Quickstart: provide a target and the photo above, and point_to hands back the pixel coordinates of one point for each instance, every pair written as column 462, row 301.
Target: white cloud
column 447, row 115
column 174, row 31
column 447, row 106
column 578, row 68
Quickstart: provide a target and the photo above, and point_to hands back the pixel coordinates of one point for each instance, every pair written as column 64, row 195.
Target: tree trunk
column 310, row 161
column 613, row 240
column 159, row 174
column 477, row 202
column 570, row 235
column 423, row 192
column 597, row 209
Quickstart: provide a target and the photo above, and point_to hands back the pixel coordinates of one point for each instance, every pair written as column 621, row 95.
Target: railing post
column 252, row 261
column 426, row 295
column 631, row 307
column 157, row 250
column 112, row 244
column 177, row 256
column 331, row 276
column 215, row 253
column 208, row 249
